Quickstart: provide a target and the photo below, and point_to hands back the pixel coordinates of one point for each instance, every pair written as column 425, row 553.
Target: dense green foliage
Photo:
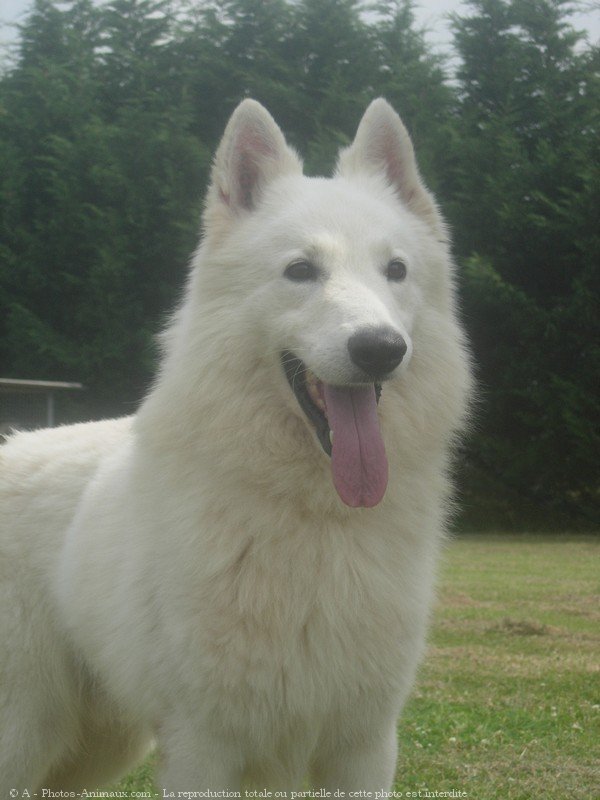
column 525, row 211
column 109, row 114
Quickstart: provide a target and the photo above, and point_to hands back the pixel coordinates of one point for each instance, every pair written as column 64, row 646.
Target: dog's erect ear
column 252, row 152
column 382, row 145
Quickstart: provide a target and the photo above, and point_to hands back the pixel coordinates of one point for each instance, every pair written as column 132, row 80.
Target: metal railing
column 13, row 386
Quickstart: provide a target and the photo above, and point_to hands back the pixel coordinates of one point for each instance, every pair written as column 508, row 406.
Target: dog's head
column 332, row 272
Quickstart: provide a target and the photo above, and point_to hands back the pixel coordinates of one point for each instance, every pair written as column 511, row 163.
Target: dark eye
column 396, row 270
column 301, row 271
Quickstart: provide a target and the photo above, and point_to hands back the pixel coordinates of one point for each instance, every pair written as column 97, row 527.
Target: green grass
column 507, row 704
column 508, row 700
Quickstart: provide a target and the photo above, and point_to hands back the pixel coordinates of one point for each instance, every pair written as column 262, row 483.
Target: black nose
column 377, row 351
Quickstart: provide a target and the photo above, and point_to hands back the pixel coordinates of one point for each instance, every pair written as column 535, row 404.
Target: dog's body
column 204, row 573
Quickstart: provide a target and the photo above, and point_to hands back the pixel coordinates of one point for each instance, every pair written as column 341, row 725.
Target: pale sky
column 430, row 14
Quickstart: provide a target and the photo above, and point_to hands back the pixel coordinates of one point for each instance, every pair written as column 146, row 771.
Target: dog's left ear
column 253, row 152
column 382, row 146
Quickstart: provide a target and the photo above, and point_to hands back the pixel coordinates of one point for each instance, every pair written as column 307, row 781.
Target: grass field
column 507, row 705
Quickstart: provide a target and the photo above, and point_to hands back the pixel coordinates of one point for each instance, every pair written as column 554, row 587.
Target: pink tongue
column 358, row 461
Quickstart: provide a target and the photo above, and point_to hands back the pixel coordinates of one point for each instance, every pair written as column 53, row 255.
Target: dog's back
column 42, row 477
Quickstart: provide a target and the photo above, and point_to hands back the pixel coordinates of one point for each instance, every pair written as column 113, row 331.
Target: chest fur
column 291, row 631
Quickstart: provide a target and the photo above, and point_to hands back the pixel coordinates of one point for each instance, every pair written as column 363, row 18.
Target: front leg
column 369, row 767
column 194, row 759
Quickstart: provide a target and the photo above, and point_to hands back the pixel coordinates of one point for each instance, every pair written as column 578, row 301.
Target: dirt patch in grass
column 521, row 627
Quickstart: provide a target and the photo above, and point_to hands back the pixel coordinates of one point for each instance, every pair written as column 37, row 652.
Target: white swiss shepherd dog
column 243, row 571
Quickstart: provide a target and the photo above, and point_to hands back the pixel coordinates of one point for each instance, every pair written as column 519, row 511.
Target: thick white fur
column 190, row 574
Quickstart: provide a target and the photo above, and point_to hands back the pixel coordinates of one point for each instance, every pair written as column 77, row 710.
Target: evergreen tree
column 527, row 179
column 335, row 68
column 100, row 196
column 413, row 80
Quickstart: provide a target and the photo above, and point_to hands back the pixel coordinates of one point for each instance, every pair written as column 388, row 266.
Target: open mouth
column 310, row 396
column 346, row 423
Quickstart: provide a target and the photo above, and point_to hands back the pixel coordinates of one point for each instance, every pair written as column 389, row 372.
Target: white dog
column 243, row 570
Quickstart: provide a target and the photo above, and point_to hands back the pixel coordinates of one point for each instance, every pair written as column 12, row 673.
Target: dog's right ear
column 252, row 153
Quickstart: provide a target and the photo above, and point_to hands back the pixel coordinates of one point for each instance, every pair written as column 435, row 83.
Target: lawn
column 507, row 704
